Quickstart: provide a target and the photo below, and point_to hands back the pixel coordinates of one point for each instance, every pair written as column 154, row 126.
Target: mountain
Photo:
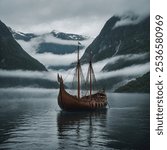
column 68, row 36
column 123, row 62
column 56, row 48
column 21, row 35
column 60, row 35
column 120, row 35
column 12, row 56
column 120, row 52
column 140, row 85
column 122, row 46
column 53, row 42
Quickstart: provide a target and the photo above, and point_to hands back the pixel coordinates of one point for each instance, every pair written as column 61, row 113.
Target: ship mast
column 78, row 69
column 90, row 67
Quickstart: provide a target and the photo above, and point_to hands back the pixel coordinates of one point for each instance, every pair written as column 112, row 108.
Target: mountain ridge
column 54, row 42
column 13, row 56
column 134, row 38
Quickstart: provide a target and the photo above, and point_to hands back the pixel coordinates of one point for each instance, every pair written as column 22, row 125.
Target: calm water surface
column 31, row 119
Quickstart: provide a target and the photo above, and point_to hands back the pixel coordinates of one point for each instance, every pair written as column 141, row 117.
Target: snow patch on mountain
column 47, row 58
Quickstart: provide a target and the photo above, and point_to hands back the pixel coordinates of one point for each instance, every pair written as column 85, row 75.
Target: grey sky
column 77, row 16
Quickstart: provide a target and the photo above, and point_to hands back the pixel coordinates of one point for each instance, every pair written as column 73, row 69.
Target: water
column 31, row 119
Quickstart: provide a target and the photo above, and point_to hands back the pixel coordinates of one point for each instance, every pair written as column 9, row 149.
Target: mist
column 134, row 70
column 50, row 59
column 26, row 92
column 130, row 19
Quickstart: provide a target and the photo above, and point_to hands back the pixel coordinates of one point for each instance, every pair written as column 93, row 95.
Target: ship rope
column 68, row 73
column 82, row 80
column 93, row 79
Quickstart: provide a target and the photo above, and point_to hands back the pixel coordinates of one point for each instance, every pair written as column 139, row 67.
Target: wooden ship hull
column 71, row 103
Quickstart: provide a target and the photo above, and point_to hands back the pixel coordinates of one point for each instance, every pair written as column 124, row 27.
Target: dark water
column 31, row 119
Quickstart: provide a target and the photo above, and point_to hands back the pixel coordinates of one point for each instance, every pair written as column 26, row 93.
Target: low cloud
column 134, row 70
column 98, row 66
column 32, row 45
column 130, row 19
column 50, row 59
column 29, row 74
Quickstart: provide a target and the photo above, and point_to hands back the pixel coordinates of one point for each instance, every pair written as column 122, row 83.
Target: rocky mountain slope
column 12, row 56
column 116, row 39
column 124, row 42
column 140, row 84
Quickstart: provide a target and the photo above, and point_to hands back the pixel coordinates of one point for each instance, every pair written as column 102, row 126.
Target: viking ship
column 89, row 101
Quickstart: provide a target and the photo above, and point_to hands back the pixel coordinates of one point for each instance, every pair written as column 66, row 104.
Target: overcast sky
column 75, row 16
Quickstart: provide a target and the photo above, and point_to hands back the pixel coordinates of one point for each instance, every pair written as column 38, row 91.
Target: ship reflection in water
column 37, row 122
column 117, row 128
column 81, row 128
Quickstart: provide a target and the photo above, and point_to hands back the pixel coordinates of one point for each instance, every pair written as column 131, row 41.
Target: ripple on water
column 38, row 123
